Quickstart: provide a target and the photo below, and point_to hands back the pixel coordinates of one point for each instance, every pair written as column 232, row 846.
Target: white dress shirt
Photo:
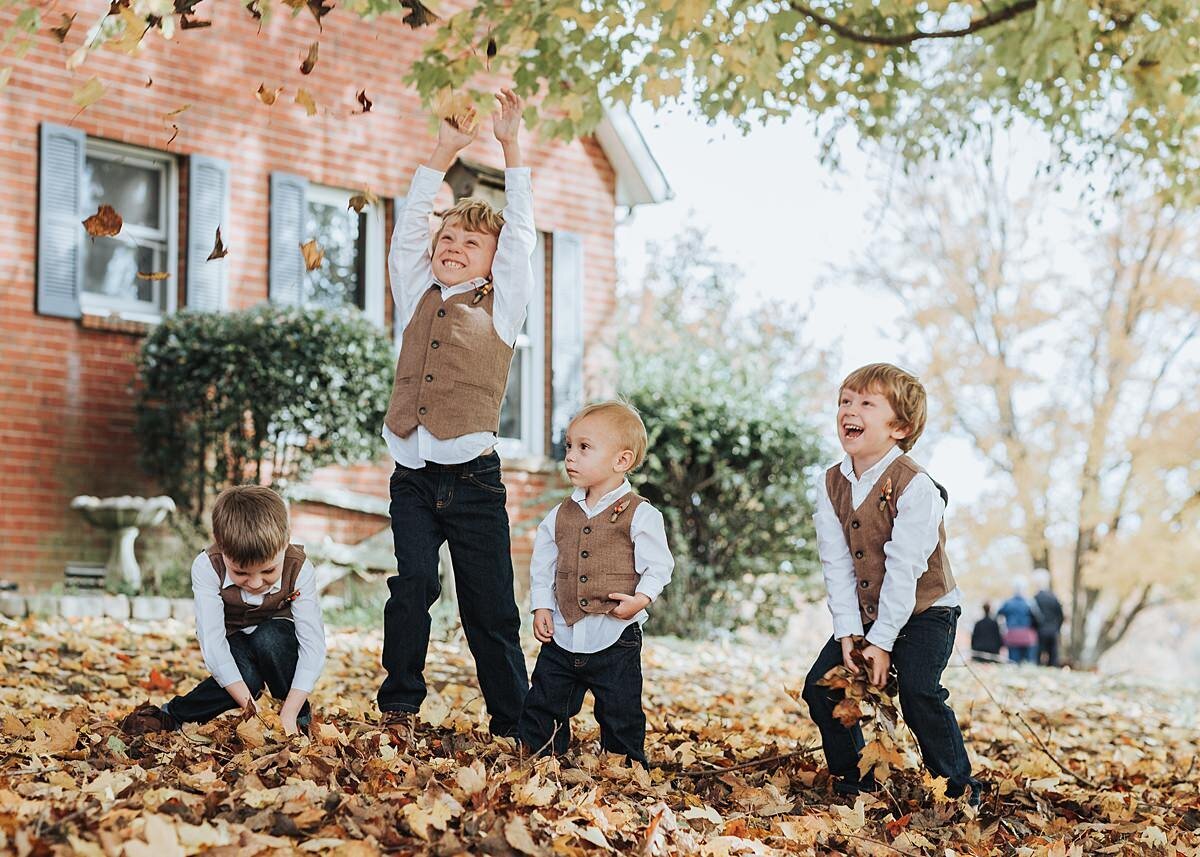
column 919, row 511
column 210, row 623
column 651, row 557
column 411, row 272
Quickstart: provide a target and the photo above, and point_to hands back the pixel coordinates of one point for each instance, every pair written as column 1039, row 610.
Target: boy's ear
column 624, row 461
column 900, row 430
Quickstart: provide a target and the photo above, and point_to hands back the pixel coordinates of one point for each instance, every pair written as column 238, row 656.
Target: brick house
column 73, row 314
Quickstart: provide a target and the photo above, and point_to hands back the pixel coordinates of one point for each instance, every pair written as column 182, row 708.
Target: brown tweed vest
column 869, row 527
column 239, row 614
column 595, row 557
column 453, row 367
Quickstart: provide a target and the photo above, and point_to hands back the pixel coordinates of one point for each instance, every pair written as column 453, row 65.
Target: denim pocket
column 631, row 637
column 488, row 480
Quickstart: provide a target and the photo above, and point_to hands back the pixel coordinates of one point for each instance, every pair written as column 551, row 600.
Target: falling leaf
column 313, row 255
column 310, row 61
column 361, row 200
column 448, row 104
column 5, row 74
column 152, row 275
column 60, row 32
column 105, row 223
column 176, row 111
column 267, row 96
column 187, row 22
column 304, row 99
column 219, row 250
column 419, row 14
column 363, row 101
column 88, row 94
column 319, row 10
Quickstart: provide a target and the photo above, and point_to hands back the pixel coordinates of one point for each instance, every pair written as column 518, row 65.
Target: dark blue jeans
column 920, row 654
column 462, row 504
column 265, row 658
column 560, row 680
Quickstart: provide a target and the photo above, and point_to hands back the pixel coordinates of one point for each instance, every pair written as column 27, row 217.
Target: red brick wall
column 66, row 419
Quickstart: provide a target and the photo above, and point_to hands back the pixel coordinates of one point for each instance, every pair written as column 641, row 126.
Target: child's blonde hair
column 474, row 215
column 250, row 524
column 903, row 391
column 622, row 416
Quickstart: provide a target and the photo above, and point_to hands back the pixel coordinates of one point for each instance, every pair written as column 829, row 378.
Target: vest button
column 434, row 344
column 422, row 411
column 428, row 377
column 865, row 584
column 587, row 531
column 584, row 554
column 583, row 578
column 583, row 602
column 441, row 313
column 870, row 608
column 854, row 524
column 858, row 554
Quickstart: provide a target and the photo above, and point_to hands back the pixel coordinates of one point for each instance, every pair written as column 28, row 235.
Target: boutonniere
column 618, row 509
column 481, row 293
column 885, row 496
column 292, row 597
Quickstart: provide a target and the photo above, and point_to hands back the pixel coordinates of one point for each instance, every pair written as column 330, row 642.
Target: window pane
column 510, row 408
column 342, row 234
column 112, row 265
column 132, row 190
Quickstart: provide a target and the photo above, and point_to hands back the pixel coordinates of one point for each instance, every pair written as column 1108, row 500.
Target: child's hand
column 880, row 662
column 630, row 605
column 506, row 123
column 457, row 132
column 288, row 719
column 848, row 654
column 543, row 625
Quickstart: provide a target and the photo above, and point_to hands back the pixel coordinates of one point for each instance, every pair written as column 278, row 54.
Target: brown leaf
column 267, row 96
column 156, row 680
column 105, row 223
column 187, row 22
column 219, row 251
column 363, row 101
column 310, row 61
column 516, row 831
column 60, row 32
column 319, row 10
column 313, row 254
column 418, row 14
column 361, row 200
column 152, row 275
column 847, row 712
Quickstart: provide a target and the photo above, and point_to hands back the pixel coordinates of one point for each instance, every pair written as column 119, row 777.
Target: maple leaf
column 848, row 712
column 361, row 200
column 310, row 61
column 219, row 251
column 88, row 94
column 60, row 32
column 304, row 99
column 448, row 104
column 156, row 680
column 267, row 96
column 516, row 832
column 880, row 756
column 533, row 792
column 313, row 254
column 105, row 223
column 418, row 14
column 363, row 102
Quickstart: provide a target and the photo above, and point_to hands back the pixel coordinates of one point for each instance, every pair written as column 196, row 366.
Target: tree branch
column 903, row 39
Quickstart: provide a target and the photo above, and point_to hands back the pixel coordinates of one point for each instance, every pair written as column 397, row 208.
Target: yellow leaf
column 518, row 836
column 533, row 792
column 305, row 99
column 251, row 731
column 89, row 93
column 161, row 840
column 5, row 74
column 267, row 96
column 313, row 256
column 472, row 780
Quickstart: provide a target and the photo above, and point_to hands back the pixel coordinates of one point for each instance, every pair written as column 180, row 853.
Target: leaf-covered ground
column 1117, row 773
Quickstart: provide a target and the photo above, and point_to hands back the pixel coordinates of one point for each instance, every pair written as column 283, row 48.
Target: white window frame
column 91, row 303
column 375, row 254
column 532, row 342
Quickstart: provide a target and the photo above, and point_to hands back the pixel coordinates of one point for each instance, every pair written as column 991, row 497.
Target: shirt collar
column 275, row 587
column 579, row 495
column 461, row 288
column 873, row 472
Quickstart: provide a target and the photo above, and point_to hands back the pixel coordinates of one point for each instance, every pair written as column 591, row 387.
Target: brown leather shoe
column 148, row 718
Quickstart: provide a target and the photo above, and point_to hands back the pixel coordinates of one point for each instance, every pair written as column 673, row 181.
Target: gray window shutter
column 208, row 208
column 567, row 336
column 289, row 212
column 60, row 229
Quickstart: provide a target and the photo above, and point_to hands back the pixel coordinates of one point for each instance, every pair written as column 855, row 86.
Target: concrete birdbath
column 123, row 517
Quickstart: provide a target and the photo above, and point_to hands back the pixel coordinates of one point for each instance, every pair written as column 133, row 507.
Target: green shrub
column 264, row 395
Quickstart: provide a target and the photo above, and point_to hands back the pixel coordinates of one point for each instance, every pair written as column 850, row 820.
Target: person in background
column 1049, row 614
column 985, row 637
column 1020, row 631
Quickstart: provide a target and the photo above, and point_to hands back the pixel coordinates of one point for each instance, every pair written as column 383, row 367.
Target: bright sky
column 788, row 222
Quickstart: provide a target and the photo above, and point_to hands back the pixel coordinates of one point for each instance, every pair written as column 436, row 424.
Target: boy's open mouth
column 453, row 264
column 852, row 431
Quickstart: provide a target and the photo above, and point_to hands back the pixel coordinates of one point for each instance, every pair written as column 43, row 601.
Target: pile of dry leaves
column 1076, row 764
